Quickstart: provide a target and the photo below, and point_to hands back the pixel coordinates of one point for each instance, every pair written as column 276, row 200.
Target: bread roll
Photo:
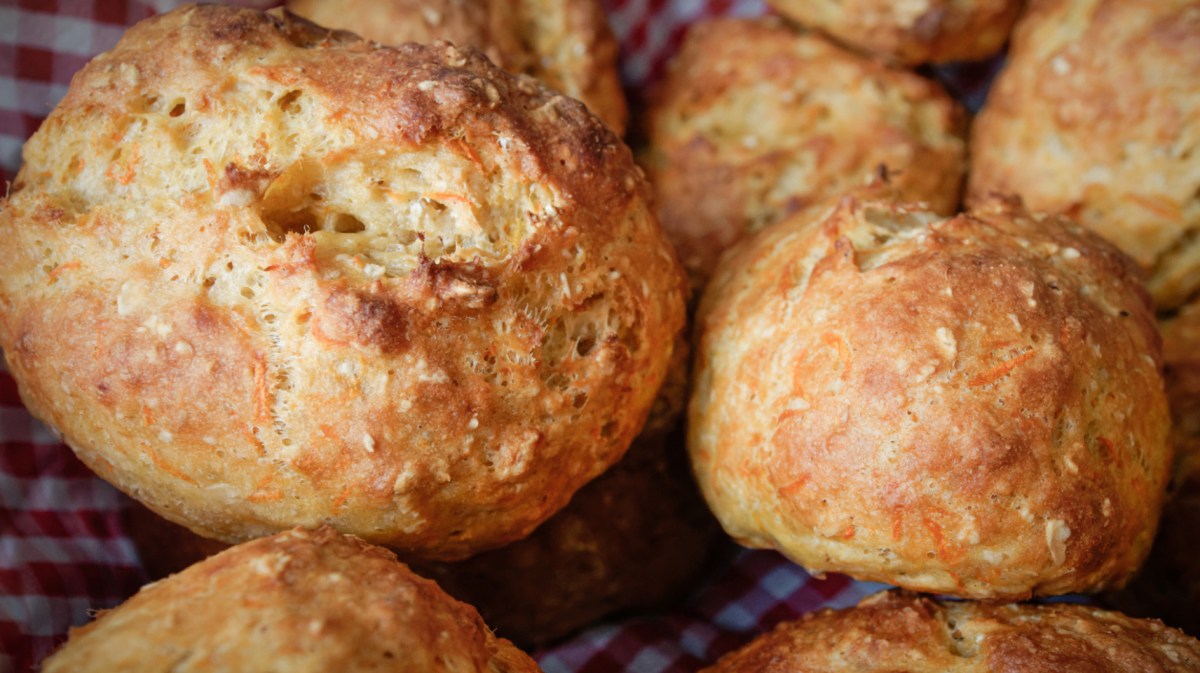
column 971, row 406
column 913, row 32
column 262, row 275
column 298, row 601
column 1168, row 586
column 1097, row 114
column 894, row 632
column 756, row 121
column 567, row 44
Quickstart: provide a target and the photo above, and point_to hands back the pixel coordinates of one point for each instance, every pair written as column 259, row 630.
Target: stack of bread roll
column 308, row 295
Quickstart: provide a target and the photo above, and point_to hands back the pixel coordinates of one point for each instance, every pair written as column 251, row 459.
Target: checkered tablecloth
column 63, row 552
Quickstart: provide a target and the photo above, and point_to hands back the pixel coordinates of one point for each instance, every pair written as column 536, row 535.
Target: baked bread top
column 295, row 602
column 971, row 406
column 566, row 44
column 1097, row 113
column 911, row 32
column 894, row 632
column 757, row 120
column 262, row 275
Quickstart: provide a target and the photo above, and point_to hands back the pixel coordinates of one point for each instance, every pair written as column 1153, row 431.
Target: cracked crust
column 262, row 275
column 1097, row 114
column 911, row 32
column 895, row 632
column 756, row 121
column 971, row 406
column 295, row 602
column 566, row 44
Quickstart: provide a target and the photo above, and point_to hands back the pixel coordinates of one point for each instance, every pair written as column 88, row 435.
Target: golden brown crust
column 261, row 275
column 1097, row 114
column 970, row 406
column 913, row 32
column 1168, row 586
column 297, row 601
column 895, row 632
column 565, row 43
column 756, row 121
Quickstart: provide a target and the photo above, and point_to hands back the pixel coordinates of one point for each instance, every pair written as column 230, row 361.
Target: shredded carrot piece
column 795, row 485
column 1161, row 206
column 65, row 266
column 848, row 534
column 945, row 551
column 266, row 496
column 446, row 196
column 840, row 344
column 167, row 467
column 999, row 371
column 262, row 396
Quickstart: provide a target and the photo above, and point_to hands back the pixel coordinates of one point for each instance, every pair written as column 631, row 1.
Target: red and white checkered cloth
column 63, row 552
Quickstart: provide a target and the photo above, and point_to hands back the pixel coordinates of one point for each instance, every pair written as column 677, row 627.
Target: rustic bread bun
column 260, row 275
column 756, row 121
column 1097, row 114
column 971, row 406
column 567, row 44
column 297, row 601
column 1168, row 586
column 894, row 632
column 635, row 538
column 925, row 31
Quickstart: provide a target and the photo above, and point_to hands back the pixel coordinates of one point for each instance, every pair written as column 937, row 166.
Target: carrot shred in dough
column 1000, row 370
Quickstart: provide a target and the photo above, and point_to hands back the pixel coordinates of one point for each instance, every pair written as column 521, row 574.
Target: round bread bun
column 566, row 44
column 298, row 601
column 261, row 275
column 756, row 121
column 635, row 538
column 1168, row 586
column 1097, row 114
column 971, row 406
column 924, row 31
column 895, row 632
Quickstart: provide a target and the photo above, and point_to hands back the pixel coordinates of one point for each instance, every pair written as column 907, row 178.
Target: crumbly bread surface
column 757, row 120
column 262, row 275
column 972, row 406
column 565, row 43
column 894, row 632
column 296, row 602
column 1097, row 113
column 914, row 31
